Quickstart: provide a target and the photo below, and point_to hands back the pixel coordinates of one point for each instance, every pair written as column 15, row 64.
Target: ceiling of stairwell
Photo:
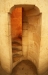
column 29, row 9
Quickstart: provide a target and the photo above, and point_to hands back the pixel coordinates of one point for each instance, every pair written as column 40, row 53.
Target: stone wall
column 5, row 44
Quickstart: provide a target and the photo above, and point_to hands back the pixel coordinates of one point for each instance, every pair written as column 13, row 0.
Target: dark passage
column 25, row 68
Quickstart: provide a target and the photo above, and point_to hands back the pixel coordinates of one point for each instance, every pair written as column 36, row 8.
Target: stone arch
column 34, row 12
column 25, row 66
column 4, row 27
column 25, row 6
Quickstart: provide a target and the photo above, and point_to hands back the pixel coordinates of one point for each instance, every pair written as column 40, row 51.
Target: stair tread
column 16, row 47
column 17, row 42
column 17, row 61
column 17, row 55
column 17, row 58
column 15, row 51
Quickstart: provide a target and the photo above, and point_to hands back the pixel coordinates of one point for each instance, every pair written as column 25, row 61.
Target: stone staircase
column 17, row 52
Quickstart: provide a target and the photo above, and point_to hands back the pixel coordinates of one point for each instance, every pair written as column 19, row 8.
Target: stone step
column 17, row 61
column 18, row 52
column 16, row 57
column 14, row 47
column 17, row 42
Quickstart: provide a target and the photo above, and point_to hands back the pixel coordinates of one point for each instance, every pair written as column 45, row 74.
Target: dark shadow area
column 25, row 67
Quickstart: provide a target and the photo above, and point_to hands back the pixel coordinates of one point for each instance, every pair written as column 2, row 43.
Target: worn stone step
column 16, row 57
column 14, row 47
column 17, row 42
column 17, row 61
column 17, row 52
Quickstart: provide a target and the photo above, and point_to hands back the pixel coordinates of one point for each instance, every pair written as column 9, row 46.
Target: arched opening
column 25, row 67
column 26, row 33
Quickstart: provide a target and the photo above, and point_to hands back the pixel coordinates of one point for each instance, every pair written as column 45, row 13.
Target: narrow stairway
column 17, row 50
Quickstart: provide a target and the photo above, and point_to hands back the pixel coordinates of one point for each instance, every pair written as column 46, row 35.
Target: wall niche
column 25, row 33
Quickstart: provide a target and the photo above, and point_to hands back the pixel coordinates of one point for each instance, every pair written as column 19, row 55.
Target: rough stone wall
column 5, row 46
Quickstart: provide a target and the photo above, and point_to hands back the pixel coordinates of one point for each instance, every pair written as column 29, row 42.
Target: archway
column 30, row 24
column 25, row 67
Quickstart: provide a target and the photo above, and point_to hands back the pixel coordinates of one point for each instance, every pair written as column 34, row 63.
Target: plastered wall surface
column 15, row 14
column 5, row 44
column 34, row 35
